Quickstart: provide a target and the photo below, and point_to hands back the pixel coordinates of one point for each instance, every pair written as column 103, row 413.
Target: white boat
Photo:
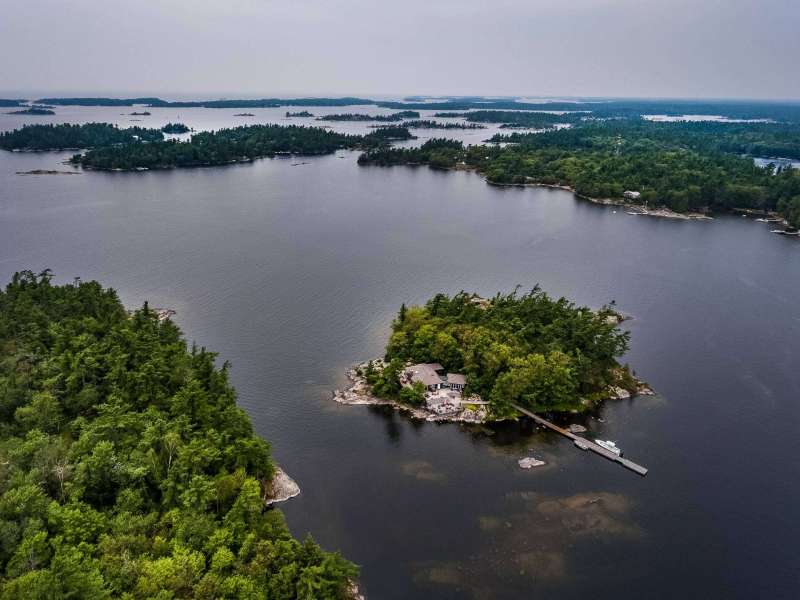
column 610, row 446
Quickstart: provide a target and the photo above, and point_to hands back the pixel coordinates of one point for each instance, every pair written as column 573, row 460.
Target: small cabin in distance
column 632, row 195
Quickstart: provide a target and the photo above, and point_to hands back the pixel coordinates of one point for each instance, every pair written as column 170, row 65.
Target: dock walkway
column 583, row 443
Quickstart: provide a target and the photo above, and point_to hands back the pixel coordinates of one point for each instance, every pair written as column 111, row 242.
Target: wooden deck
column 583, row 443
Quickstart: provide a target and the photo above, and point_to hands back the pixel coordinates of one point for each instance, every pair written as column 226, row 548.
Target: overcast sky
column 182, row 48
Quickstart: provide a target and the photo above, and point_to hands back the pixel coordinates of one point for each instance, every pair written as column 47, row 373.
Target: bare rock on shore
column 281, row 488
column 575, row 428
column 618, row 393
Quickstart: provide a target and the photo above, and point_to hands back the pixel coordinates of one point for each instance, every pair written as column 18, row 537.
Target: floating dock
column 583, row 443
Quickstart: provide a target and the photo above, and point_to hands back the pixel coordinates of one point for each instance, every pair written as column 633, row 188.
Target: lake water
column 294, row 272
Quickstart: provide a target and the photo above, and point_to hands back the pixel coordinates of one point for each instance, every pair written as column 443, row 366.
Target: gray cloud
column 711, row 48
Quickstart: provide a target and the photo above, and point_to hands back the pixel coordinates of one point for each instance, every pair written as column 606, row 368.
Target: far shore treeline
column 126, row 468
column 600, row 150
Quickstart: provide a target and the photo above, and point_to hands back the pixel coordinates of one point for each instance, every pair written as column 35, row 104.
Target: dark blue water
column 294, row 272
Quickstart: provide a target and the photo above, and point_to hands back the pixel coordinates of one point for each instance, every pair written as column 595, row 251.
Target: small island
column 141, row 114
column 173, row 128
column 467, row 358
column 302, row 113
column 429, row 124
column 244, row 114
column 33, row 110
column 390, row 133
column 394, row 117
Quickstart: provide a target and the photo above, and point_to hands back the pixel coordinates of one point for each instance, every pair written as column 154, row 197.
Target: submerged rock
column 530, row 462
column 575, row 428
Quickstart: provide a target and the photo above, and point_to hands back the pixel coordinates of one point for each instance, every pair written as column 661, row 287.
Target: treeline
column 755, row 139
column 223, row 147
column 175, row 128
column 678, row 165
column 68, row 136
column 513, row 118
column 540, row 352
column 398, row 116
column 158, row 102
column 126, row 468
column 389, row 133
column 8, row 102
column 428, row 124
column 734, row 109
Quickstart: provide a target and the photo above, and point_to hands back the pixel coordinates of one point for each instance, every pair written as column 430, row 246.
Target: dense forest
column 222, row 147
column 175, row 128
column 683, row 166
column 127, row 469
column 542, row 353
column 398, row 116
column 88, row 135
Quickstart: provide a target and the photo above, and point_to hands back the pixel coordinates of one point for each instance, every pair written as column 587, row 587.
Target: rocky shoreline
column 638, row 209
column 281, row 488
column 360, row 393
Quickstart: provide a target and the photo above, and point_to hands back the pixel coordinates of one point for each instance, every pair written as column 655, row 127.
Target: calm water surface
column 294, row 272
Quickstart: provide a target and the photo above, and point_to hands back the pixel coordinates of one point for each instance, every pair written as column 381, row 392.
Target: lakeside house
column 631, row 195
column 442, row 390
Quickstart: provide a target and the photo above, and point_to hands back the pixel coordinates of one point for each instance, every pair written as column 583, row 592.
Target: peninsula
column 129, row 470
column 680, row 167
column 466, row 358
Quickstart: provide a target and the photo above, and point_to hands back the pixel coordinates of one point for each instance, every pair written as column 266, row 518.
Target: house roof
column 456, row 378
column 424, row 373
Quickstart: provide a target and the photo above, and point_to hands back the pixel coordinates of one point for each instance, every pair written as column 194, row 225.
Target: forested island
column 68, row 136
column 222, row 147
column 33, row 110
column 428, row 124
column 514, row 118
column 175, row 128
column 140, row 114
column 128, row 470
column 398, row 116
column 302, row 113
column 10, row 103
column 390, row 133
column 466, row 353
column 681, row 166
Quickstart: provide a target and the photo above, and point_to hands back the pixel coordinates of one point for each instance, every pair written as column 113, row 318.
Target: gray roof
column 424, row 373
column 456, row 378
